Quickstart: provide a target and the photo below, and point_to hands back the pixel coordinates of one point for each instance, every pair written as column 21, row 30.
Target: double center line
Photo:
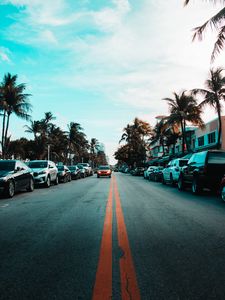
column 103, row 281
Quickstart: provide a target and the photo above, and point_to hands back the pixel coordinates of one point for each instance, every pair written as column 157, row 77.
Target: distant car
column 87, row 167
column 75, row 172
column 15, row 176
column 204, row 170
column 64, row 174
column 172, row 172
column 104, row 171
column 138, row 171
column 83, row 171
column 45, row 172
column 156, row 174
column 148, row 171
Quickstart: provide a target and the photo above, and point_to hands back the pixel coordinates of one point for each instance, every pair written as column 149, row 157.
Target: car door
column 167, row 172
column 52, row 170
column 19, row 176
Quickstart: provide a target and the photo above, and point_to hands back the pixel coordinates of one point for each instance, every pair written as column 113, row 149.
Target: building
column 197, row 139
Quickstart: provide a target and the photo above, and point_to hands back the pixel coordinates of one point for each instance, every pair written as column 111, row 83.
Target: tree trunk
column 3, row 135
column 6, row 133
column 183, row 138
column 220, row 128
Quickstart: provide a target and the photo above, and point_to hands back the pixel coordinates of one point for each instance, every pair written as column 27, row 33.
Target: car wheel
column 98, row 176
column 48, row 182
column 171, row 180
column 10, row 189
column 195, row 186
column 56, row 180
column 65, row 179
column 30, row 187
column 180, row 184
column 223, row 194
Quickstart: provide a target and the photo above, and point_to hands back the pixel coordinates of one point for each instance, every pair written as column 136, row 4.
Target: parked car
column 104, row 171
column 172, row 172
column 222, row 188
column 138, row 171
column 156, row 174
column 64, row 174
column 83, row 171
column 75, row 172
column 87, row 167
column 15, row 176
column 147, row 172
column 45, row 172
column 204, row 170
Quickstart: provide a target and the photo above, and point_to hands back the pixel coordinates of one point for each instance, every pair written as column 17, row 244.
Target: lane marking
column 103, row 280
column 129, row 285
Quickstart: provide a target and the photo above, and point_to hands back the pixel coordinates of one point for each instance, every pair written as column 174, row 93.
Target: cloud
column 5, row 54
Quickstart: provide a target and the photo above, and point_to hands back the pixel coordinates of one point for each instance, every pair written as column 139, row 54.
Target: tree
column 216, row 22
column 183, row 108
column 135, row 135
column 213, row 95
column 35, row 128
column 14, row 100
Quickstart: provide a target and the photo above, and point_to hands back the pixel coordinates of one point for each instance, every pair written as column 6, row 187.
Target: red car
column 104, row 171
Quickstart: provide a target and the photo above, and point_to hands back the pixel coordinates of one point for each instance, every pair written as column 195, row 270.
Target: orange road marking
column 129, row 285
column 103, row 281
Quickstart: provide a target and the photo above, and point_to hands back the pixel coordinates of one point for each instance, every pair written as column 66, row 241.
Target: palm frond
column 214, row 22
column 219, row 44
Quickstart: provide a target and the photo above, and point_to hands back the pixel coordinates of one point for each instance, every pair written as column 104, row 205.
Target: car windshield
column 104, row 168
column 60, row 168
column 72, row 168
column 80, row 166
column 38, row 164
column 7, row 165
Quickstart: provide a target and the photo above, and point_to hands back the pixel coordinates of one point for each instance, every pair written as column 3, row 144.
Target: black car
column 64, row 174
column 156, row 175
column 15, row 176
column 138, row 171
column 204, row 170
column 75, row 172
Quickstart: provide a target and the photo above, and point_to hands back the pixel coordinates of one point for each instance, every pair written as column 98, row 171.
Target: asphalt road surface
column 118, row 238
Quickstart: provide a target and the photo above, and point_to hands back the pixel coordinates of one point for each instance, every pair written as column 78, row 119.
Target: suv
column 204, row 170
column 87, row 167
column 172, row 172
column 45, row 172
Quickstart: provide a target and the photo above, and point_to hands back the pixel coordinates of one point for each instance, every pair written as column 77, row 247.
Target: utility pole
column 48, row 152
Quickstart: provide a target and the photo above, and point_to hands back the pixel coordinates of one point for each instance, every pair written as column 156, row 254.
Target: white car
column 148, row 171
column 45, row 172
column 172, row 172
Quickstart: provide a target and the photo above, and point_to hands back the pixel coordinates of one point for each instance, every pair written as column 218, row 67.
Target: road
column 124, row 238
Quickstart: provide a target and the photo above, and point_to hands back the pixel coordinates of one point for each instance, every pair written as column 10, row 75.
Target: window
column 216, row 158
column 212, row 137
column 201, row 141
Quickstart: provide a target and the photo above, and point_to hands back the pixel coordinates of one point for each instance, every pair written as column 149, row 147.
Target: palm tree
column 213, row 95
column 158, row 134
column 35, row 127
column 183, row 108
column 15, row 101
column 216, row 22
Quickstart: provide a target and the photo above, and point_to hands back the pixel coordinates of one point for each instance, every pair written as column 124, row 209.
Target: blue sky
column 102, row 63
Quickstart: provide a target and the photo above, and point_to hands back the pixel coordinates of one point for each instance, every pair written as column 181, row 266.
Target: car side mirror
column 17, row 169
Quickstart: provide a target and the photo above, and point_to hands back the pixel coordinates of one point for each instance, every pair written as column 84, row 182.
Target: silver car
column 45, row 172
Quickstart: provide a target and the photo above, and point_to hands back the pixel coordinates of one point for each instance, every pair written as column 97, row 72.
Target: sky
column 101, row 63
